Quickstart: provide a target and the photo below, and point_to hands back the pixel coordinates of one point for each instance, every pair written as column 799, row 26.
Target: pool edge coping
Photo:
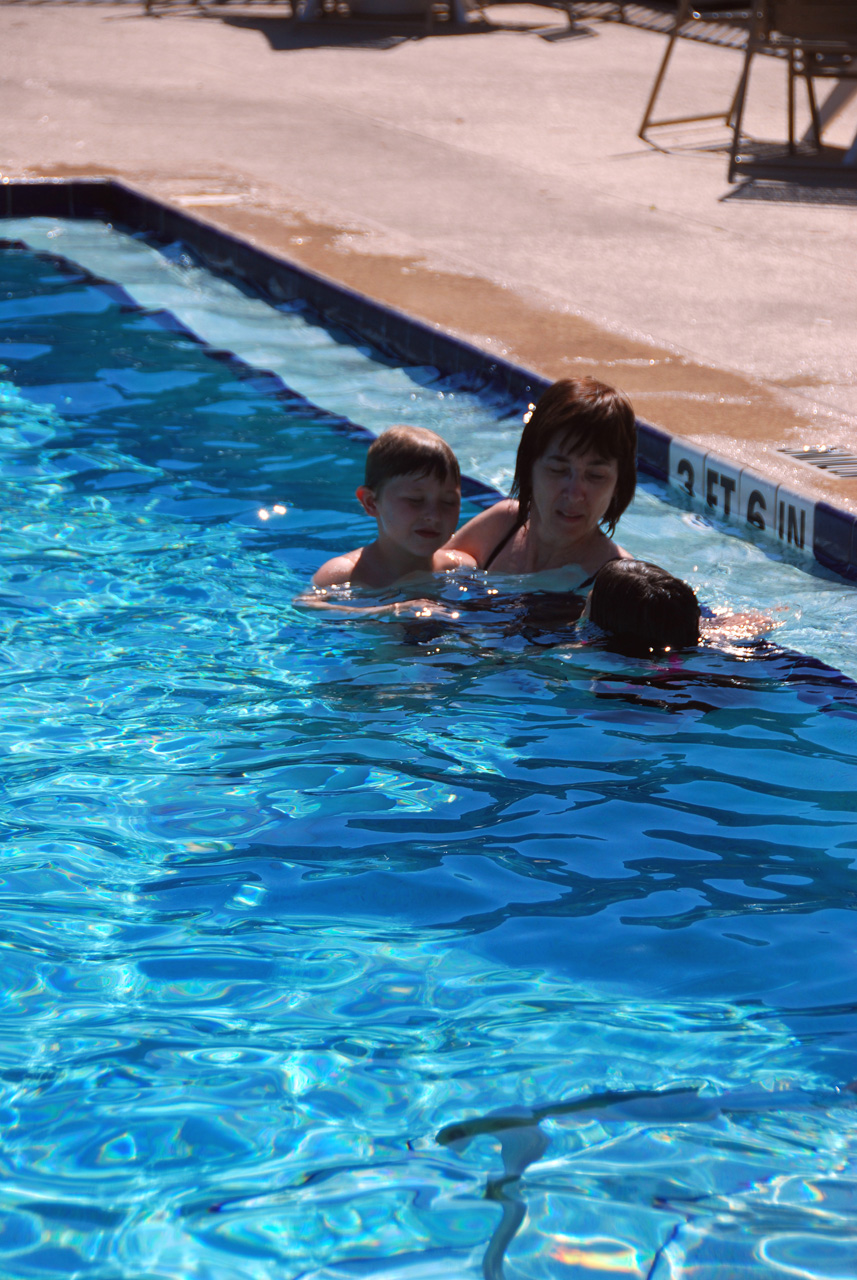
column 715, row 484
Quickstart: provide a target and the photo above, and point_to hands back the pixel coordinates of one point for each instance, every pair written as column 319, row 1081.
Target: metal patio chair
column 687, row 13
column 817, row 39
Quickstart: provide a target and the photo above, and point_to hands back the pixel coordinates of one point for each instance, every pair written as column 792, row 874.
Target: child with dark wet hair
column 643, row 608
column 412, row 489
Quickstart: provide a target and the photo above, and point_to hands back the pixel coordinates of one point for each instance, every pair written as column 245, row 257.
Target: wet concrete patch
column 723, row 410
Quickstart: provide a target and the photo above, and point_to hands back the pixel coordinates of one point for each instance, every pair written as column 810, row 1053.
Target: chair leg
column 680, row 20
column 738, row 105
column 733, row 108
column 813, row 106
column 791, row 100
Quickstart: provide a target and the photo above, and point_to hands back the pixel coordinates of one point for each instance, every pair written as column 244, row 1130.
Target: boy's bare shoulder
column 340, row 569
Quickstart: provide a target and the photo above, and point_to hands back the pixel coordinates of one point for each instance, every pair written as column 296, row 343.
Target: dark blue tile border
column 281, row 281
column 835, row 539
column 834, row 531
column 653, row 450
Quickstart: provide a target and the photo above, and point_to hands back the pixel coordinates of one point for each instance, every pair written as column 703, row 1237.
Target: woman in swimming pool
column 575, row 471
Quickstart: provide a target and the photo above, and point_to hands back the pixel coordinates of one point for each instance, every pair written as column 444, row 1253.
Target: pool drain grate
column 829, row 457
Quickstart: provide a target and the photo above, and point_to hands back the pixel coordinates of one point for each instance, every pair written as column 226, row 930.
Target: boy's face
column 418, row 513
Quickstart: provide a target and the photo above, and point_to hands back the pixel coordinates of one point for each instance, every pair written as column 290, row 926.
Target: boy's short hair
column 644, row 608
column 405, row 451
column 583, row 414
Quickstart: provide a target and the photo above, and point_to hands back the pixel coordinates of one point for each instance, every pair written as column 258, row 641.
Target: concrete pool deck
column 490, row 182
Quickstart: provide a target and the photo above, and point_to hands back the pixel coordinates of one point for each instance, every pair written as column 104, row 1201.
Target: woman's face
column 572, row 489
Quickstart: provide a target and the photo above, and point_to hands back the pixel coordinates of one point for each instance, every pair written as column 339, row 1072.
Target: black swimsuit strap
column 506, row 538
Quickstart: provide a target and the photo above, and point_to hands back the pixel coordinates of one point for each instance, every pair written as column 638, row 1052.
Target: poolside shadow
column 284, row 35
column 287, row 36
column 768, row 191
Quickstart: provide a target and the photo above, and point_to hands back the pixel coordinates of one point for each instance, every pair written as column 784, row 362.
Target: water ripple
column 285, row 898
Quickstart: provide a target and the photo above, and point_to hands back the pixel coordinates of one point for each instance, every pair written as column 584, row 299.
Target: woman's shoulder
column 608, row 552
column 453, row 558
column 480, row 534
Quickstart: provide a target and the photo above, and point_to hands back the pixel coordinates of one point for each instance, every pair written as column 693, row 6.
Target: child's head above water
column 644, row 608
column 412, row 489
column 409, row 451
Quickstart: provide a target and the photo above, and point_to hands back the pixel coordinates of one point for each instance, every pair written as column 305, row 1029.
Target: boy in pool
column 643, row 608
column 648, row 611
column 412, row 488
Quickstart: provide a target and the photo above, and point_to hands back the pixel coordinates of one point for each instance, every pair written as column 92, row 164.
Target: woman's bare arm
column 396, row 608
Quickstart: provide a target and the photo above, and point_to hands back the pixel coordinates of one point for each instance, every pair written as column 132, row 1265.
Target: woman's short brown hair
column 407, row 451
column 583, row 414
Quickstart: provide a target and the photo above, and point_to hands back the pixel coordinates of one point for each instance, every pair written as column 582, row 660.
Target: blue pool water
column 284, row 897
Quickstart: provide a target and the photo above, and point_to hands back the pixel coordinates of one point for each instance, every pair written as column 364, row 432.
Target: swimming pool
column 285, row 897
